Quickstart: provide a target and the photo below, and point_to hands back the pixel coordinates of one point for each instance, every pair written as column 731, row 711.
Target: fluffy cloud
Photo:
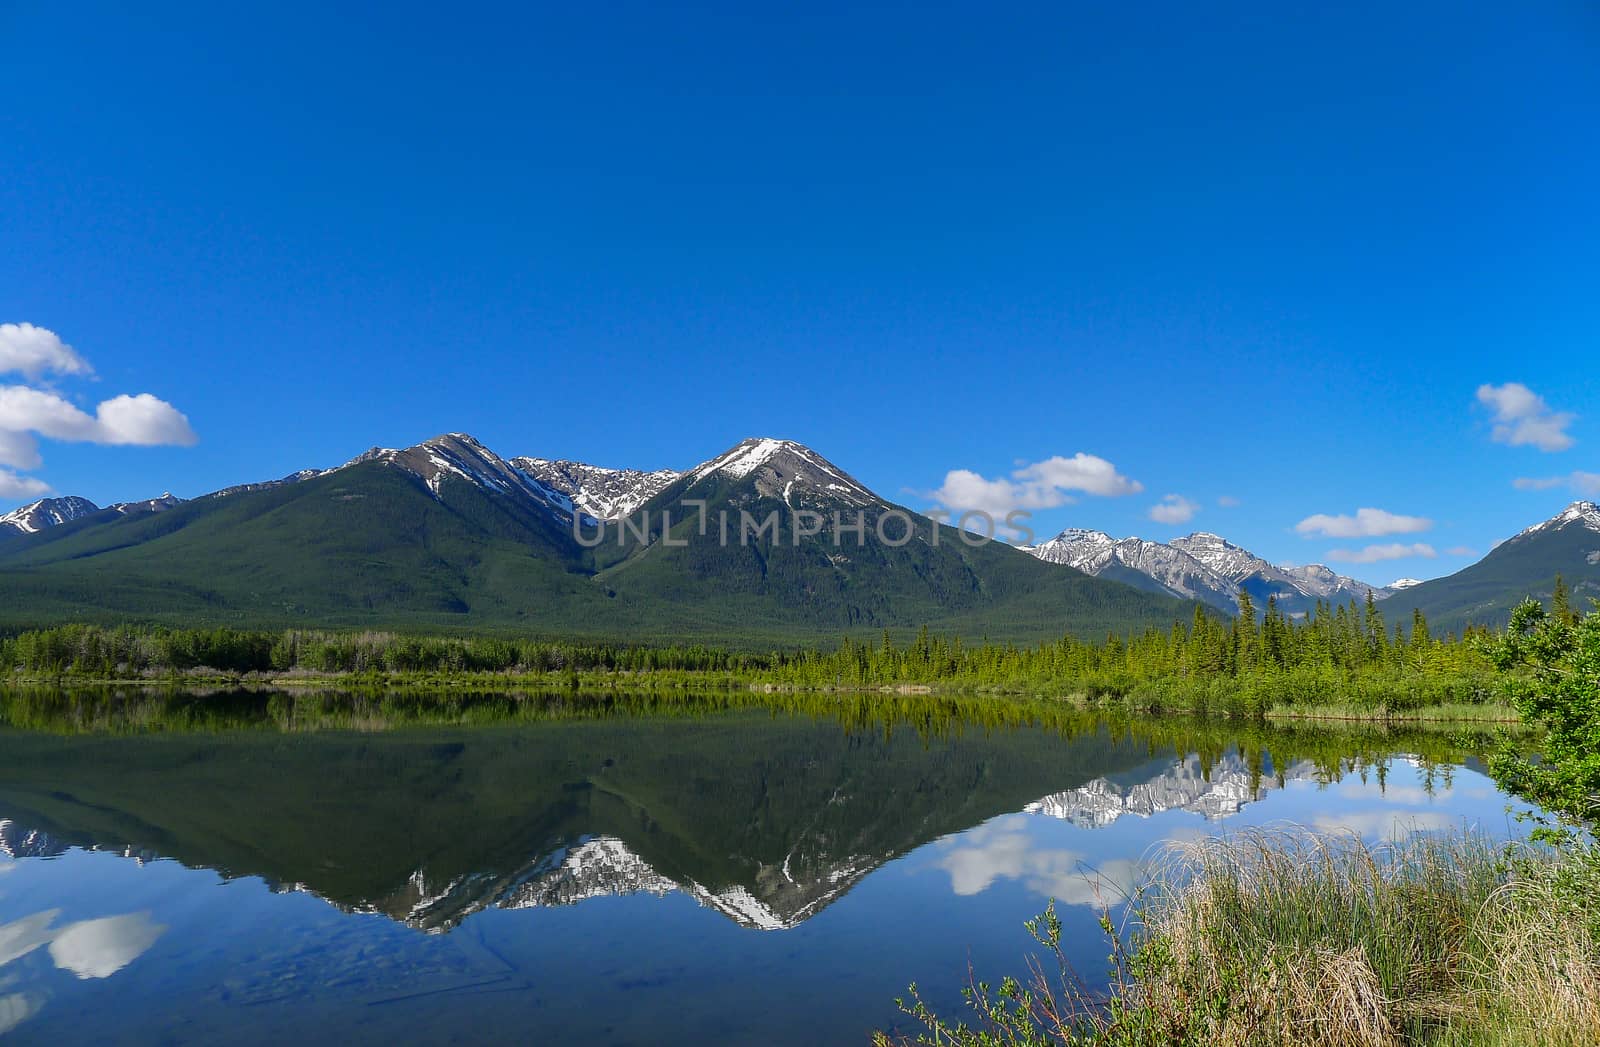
column 1522, row 418
column 1366, row 523
column 30, row 411
column 101, row 948
column 1174, row 509
column 35, row 352
column 1587, row 484
column 1039, row 485
column 14, row 487
column 88, row 948
column 1376, row 553
column 142, row 420
column 1004, row 849
column 1461, row 550
column 1227, row 501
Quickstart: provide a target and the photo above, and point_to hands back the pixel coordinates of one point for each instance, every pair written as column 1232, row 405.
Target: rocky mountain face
column 1200, row 566
column 597, row 492
column 1138, row 562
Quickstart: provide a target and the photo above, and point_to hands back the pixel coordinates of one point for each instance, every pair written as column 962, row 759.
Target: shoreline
column 1489, row 713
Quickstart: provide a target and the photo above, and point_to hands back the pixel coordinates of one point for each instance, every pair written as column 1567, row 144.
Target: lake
column 265, row 868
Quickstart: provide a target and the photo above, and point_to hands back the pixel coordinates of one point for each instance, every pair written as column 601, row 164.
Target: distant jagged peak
column 47, row 512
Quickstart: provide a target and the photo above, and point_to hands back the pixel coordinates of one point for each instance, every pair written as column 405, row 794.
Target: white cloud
column 1366, row 523
column 37, row 351
column 1461, row 550
column 1003, row 849
column 1521, row 417
column 1039, row 485
column 101, row 948
column 1587, row 484
column 18, row 1007
column 88, row 948
column 20, row 937
column 13, row 486
column 1384, row 824
column 142, row 420
column 1227, row 501
column 1174, row 509
column 29, row 411
column 1375, row 553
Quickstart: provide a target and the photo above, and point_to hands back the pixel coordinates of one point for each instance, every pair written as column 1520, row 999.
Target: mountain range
column 765, row 542
column 1205, row 567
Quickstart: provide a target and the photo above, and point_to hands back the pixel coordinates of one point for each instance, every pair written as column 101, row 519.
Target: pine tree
column 1561, row 603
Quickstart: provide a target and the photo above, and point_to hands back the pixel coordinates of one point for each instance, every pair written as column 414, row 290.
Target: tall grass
column 1285, row 936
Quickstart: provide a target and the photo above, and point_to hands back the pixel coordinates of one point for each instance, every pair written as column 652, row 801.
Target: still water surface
column 730, row 877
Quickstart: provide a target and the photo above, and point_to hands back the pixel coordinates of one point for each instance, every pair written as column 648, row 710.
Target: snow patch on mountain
column 457, row 456
column 168, row 500
column 299, row 476
column 1178, row 573
column 1212, row 790
column 787, row 470
column 1585, row 514
column 46, row 512
column 606, row 867
column 597, row 492
column 1201, row 566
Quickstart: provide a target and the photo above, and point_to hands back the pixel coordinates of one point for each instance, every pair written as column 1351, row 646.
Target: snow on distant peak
column 1402, row 583
column 46, row 512
column 1585, row 513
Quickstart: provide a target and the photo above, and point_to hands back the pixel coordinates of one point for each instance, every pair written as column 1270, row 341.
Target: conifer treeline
column 1331, row 647
column 1332, row 643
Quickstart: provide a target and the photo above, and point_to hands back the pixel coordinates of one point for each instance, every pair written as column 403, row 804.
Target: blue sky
column 1266, row 253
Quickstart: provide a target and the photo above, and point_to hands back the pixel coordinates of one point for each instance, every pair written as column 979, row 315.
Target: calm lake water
column 740, row 876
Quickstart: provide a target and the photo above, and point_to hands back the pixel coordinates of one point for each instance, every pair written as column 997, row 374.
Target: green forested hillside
column 1524, row 566
column 373, row 545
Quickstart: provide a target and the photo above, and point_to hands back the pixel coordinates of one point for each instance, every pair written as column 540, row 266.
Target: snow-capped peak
column 1402, row 583
column 779, row 467
column 459, row 456
column 1585, row 513
column 1200, row 566
column 749, row 455
column 46, row 512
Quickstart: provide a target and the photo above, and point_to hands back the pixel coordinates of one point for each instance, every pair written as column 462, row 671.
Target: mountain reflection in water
column 767, row 820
